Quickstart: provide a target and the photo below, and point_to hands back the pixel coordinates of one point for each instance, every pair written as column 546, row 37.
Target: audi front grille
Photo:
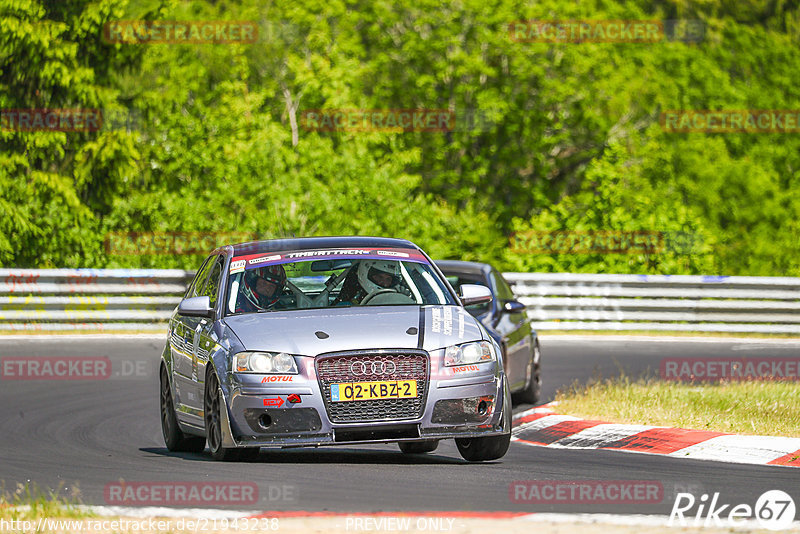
column 374, row 366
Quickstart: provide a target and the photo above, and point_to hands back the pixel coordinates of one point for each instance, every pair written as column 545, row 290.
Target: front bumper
column 459, row 403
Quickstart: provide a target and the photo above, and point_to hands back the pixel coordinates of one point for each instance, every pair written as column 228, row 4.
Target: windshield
column 457, row 280
column 363, row 277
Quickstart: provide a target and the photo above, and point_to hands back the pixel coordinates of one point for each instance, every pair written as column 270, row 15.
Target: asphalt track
column 90, row 433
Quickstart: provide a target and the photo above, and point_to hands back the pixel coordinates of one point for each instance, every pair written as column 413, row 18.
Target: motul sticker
column 277, row 379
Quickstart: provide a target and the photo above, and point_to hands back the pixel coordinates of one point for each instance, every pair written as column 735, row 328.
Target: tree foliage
column 549, row 136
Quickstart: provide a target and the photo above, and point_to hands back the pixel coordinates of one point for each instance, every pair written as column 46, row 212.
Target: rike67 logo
column 774, row 510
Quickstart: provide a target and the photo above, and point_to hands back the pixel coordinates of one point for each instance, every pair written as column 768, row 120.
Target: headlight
column 264, row 363
column 476, row 352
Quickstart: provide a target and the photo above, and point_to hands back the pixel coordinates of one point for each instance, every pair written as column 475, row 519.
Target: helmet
column 369, row 270
column 271, row 273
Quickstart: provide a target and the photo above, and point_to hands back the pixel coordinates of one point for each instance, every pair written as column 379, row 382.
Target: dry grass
column 26, row 502
column 766, row 408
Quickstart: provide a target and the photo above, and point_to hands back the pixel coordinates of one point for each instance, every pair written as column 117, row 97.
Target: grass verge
column 753, row 407
column 26, row 502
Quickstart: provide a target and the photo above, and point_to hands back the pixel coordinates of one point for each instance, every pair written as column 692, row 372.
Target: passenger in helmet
column 262, row 288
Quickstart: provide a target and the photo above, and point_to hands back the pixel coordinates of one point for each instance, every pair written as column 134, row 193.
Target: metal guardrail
column 559, row 301
column 143, row 299
column 89, row 299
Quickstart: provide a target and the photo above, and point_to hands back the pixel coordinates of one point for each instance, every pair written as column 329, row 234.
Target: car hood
column 312, row 332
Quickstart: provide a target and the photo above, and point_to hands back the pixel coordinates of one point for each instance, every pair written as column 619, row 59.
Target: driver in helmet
column 369, row 277
column 375, row 275
column 378, row 275
column 262, row 288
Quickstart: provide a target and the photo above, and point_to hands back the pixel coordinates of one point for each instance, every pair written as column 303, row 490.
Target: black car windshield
column 458, row 279
column 332, row 278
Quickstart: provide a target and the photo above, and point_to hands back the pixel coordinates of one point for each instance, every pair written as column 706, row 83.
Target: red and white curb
column 541, row 426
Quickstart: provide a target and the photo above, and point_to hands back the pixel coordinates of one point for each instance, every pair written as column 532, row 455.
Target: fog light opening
column 483, row 408
column 265, row 420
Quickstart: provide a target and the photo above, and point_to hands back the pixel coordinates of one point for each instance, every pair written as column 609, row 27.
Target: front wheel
column 212, row 406
column 483, row 449
column 418, row 447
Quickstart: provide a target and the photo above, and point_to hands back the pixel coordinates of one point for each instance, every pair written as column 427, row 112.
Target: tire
column 483, row 449
column 212, row 406
column 533, row 389
column 174, row 438
column 418, row 447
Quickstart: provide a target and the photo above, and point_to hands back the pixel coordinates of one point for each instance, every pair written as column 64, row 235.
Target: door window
column 199, row 279
column 211, row 289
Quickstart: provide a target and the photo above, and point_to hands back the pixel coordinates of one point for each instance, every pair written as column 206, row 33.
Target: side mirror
column 513, row 306
column 196, row 307
column 475, row 294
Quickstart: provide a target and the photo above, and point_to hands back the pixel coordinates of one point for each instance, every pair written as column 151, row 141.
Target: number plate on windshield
column 358, row 391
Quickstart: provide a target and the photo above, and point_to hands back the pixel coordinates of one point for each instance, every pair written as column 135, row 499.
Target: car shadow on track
column 319, row 456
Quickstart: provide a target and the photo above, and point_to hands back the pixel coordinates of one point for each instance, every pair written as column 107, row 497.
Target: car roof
column 315, row 243
column 466, row 267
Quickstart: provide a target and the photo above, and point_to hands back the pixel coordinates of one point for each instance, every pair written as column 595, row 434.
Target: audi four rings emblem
column 372, row 368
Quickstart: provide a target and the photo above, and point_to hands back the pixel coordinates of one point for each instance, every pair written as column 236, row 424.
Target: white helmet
column 368, row 269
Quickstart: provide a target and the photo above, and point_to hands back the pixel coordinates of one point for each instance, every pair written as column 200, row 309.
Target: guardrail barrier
column 89, row 299
column 558, row 301
column 143, row 299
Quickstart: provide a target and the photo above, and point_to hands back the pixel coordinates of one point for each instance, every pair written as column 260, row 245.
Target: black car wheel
column 418, row 447
column 533, row 388
column 490, row 447
column 483, row 449
column 174, row 438
column 212, row 407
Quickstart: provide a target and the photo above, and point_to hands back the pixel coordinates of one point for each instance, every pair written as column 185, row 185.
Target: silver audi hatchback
column 330, row 341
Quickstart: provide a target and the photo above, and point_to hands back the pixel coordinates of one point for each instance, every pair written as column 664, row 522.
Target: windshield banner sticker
column 250, row 261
